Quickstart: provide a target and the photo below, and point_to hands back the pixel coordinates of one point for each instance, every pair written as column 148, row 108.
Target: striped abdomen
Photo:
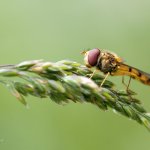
column 135, row 73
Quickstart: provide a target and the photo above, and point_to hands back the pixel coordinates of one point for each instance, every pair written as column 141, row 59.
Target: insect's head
column 91, row 57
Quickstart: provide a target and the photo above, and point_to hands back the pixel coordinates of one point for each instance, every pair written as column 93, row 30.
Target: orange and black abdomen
column 135, row 73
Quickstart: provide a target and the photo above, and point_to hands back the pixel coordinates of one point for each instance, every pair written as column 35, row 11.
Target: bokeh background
column 56, row 30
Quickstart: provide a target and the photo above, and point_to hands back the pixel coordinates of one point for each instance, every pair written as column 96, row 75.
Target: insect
column 111, row 64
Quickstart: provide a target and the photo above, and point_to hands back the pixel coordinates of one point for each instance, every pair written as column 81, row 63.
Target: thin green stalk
column 66, row 81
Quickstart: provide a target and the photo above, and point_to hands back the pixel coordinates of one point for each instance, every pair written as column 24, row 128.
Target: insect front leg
column 90, row 75
column 106, row 76
column 93, row 74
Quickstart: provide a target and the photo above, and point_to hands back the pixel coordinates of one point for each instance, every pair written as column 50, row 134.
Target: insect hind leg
column 128, row 90
column 123, row 81
column 126, row 85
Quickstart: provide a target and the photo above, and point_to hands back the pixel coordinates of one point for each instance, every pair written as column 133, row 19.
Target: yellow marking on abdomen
column 135, row 73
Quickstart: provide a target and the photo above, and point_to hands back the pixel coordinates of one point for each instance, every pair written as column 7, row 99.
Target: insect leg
column 92, row 74
column 128, row 90
column 105, row 79
column 123, row 81
column 128, row 84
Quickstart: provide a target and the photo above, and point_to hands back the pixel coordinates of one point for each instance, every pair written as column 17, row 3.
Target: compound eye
column 93, row 56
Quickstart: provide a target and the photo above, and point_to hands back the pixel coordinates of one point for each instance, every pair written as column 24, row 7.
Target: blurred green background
column 56, row 30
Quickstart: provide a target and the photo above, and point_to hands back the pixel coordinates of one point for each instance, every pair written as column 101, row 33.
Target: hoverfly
column 111, row 64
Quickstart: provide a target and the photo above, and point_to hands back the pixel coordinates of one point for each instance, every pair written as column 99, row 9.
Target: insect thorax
column 107, row 63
